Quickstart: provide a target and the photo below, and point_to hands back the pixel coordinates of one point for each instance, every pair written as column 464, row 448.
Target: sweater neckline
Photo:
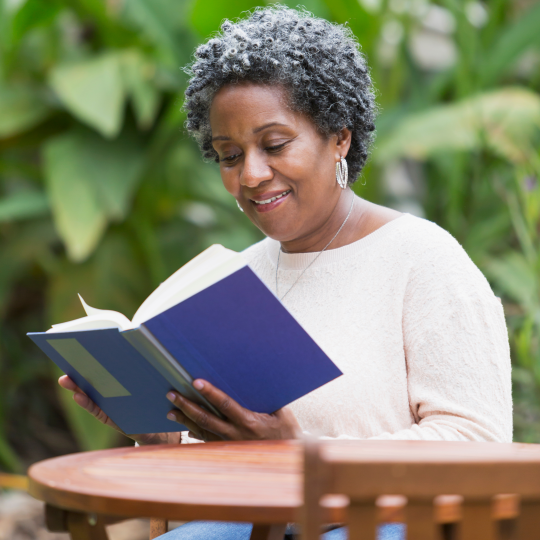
column 299, row 261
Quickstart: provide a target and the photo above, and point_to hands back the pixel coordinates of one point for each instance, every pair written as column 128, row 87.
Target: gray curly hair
column 319, row 63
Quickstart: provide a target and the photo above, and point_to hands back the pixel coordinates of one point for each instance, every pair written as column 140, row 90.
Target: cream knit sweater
column 414, row 326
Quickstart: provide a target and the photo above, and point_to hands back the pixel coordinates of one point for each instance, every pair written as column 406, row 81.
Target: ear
column 343, row 143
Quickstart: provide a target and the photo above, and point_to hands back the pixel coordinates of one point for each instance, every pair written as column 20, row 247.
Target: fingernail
column 171, row 396
column 198, row 384
column 171, row 416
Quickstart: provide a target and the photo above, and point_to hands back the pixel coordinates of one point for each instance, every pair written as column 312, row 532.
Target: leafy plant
column 103, row 194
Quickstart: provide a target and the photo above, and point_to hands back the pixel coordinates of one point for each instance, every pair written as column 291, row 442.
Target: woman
column 283, row 102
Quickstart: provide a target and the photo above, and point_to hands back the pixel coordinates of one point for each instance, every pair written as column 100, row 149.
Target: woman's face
column 268, row 151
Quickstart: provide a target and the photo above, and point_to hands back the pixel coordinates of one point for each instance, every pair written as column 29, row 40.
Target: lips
column 268, row 201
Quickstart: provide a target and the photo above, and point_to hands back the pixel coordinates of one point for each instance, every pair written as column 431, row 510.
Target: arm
column 456, row 349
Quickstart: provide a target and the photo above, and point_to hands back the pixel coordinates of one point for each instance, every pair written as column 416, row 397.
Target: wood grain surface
column 238, row 481
column 490, row 479
column 259, row 482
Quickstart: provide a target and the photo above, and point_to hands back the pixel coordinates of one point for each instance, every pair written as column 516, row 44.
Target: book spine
column 169, row 367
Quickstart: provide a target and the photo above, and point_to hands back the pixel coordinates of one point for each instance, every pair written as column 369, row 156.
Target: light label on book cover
column 88, row 367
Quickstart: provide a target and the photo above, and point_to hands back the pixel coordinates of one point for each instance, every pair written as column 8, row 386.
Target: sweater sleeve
column 456, row 349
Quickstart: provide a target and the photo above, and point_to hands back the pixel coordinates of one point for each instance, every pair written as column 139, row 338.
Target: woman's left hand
column 239, row 424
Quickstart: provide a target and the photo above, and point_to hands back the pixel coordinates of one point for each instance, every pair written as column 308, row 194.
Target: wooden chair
column 421, row 471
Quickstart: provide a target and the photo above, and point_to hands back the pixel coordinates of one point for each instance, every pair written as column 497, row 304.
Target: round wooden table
column 257, row 482
column 249, row 481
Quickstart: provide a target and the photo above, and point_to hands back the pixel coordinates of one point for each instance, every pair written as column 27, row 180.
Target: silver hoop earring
column 239, row 207
column 342, row 173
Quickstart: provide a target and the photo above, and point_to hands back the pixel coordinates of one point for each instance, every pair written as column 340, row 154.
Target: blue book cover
column 235, row 334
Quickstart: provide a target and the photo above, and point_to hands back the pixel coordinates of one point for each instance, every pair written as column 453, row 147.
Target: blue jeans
column 220, row 530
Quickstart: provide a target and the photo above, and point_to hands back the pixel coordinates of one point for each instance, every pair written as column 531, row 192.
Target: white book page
column 173, row 282
column 212, row 265
column 104, row 319
column 194, row 279
column 189, row 287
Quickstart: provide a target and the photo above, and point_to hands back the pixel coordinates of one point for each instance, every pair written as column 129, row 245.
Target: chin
column 275, row 224
column 278, row 232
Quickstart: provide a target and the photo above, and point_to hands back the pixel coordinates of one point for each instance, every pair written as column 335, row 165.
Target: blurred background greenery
column 102, row 192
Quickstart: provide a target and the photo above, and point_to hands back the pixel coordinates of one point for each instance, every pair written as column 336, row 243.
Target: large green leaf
column 93, row 90
column 137, row 74
column 513, row 41
column 79, row 217
column 207, row 15
column 365, row 25
column 32, row 14
column 516, row 277
column 162, row 22
column 90, row 182
column 23, row 205
column 21, row 108
column 504, row 120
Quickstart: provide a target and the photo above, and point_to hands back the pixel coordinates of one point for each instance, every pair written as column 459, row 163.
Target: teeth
column 268, row 201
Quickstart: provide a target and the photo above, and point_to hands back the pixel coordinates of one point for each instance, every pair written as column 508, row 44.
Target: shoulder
column 420, row 233
column 426, row 243
column 438, row 263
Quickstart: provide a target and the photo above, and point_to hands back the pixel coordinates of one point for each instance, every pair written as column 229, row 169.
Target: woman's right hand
column 88, row 405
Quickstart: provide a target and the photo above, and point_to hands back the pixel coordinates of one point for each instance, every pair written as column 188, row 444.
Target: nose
column 256, row 170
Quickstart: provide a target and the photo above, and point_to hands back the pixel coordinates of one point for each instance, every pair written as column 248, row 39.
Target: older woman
column 283, row 102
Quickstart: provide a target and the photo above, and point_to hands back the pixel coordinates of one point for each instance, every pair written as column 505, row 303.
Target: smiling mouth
column 272, row 199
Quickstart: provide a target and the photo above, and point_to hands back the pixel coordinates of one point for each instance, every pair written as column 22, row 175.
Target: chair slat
column 489, row 479
column 477, row 522
column 362, row 522
column 420, row 516
column 314, row 469
column 158, row 527
column 528, row 521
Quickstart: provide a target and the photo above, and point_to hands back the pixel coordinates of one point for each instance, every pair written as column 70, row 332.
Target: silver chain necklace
column 318, row 255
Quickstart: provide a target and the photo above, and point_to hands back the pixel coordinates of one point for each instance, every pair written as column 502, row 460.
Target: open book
column 213, row 319
column 212, row 265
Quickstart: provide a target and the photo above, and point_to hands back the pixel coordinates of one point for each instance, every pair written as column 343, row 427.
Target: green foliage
column 93, row 91
column 103, row 194
column 207, row 15
column 90, row 182
column 503, row 121
column 21, row 108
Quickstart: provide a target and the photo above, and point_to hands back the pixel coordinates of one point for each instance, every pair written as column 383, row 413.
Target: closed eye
column 230, row 159
column 276, row 148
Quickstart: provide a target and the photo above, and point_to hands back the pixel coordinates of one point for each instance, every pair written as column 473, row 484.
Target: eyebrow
column 256, row 130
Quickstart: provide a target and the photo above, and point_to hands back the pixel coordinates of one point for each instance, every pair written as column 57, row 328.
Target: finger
column 203, row 419
column 69, row 384
column 207, row 437
column 88, row 405
column 225, row 404
column 178, row 416
column 195, row 430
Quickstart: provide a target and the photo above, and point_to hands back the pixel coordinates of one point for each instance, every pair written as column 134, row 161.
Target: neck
column 318, row 239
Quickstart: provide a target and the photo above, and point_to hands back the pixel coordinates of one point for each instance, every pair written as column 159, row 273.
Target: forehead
column 239, row 107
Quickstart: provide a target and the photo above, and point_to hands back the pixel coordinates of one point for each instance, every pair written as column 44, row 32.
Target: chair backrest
column 421, row 471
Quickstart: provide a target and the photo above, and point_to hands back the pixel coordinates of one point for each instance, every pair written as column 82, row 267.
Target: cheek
column 314, row 164
column 230, row 181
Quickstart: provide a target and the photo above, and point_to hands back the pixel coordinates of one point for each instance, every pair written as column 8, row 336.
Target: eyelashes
column 229, row 159
column 272, row 149
column 276, row 148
